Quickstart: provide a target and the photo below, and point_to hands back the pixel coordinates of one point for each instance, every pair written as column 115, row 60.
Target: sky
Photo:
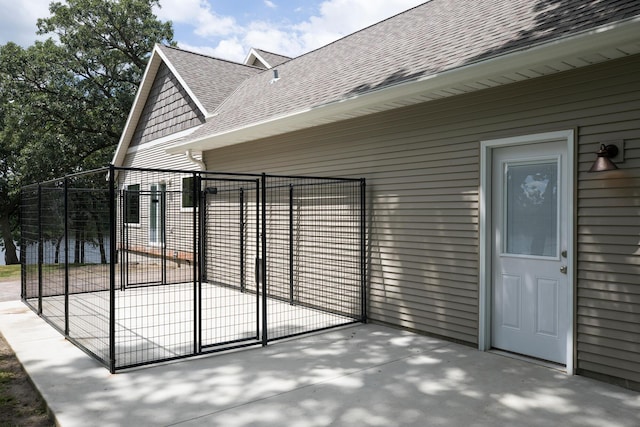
column 228, row 29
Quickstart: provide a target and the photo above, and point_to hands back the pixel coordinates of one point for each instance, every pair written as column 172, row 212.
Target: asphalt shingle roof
column 273, row 59
column 436, row 36
column 210, row 79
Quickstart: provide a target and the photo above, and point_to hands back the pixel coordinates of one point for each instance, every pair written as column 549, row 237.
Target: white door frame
column 485, row 297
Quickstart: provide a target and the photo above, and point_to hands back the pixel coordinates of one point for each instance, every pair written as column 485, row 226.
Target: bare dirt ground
column 20, row 402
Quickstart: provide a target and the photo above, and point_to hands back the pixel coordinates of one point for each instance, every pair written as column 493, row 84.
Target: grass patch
column 10, row 272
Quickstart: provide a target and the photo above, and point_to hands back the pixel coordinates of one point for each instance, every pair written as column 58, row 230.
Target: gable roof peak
column 264, row 59
column 204, row 55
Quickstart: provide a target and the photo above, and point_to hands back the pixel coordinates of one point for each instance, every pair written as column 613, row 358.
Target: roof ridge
column 375, row 24
column 210, row 56
column 273, row 53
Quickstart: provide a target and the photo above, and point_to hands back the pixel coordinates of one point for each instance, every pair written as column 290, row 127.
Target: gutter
column 189, row 155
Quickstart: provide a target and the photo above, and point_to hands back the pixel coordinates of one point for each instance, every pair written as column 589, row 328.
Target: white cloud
column 18, row 20
column 231, row 49
column 197, row 13
column 339, row 18
column 223, row 36
column 230, row 40
column 273, row 39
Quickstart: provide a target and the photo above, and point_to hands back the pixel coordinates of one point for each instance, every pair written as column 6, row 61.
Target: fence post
column 291, row 244
column 363, row 248
column 23, row 249
column 123, row 253
column 198, row 250
column 163, row 232
column 40, row 250
column 265, row 335
column 242, row 225
column 66, row 256
column 112, row 270
column 257, row 257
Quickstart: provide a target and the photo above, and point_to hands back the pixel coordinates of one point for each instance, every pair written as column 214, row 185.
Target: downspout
column 189, row 155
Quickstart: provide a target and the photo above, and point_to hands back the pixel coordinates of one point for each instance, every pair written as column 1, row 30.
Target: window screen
column 132, row 204
column 187, row 192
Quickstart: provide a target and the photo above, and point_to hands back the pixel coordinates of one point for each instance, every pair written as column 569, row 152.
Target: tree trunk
column 10, row 256
column 57, row 255
column 76, row 252
column 82, row 246
column 103, row 252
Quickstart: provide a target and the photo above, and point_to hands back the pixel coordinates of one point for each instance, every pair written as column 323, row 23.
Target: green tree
column 8, row 157
column 65, row 100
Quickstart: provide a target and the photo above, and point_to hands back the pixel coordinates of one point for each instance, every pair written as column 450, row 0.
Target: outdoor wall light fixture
column 603, row 161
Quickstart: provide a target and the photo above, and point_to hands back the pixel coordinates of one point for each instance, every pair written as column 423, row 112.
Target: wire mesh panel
column 65, row 230
column 52, row 232
column 156, row 226
column 154, row 323
column 29, row 247
column 313, row 254
column 87, row 250
column 137, row 266
column 156, row 240
column 229, row 294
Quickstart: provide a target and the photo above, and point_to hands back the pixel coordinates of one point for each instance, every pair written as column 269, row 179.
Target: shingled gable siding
column 421, row 165
column 168, row 109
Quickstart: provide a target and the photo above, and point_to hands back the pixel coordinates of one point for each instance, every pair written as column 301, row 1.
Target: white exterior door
column 529, row 225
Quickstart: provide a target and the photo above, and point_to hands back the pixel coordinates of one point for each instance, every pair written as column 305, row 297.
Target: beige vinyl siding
column 422, row 166
column 179, row 221
column 153, row 155
column 609, row 249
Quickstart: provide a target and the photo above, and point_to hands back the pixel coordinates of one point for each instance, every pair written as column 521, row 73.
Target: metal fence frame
column 308, row 261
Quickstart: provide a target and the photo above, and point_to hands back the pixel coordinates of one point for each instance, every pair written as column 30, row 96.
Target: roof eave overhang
column 606, row 37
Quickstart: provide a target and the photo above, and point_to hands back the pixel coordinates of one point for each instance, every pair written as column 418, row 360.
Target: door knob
column 563, row 269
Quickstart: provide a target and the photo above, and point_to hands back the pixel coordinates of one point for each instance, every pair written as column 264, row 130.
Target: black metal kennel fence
column 138, row 266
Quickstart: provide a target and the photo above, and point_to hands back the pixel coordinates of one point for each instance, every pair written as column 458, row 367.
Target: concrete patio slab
column 9, row 290
column 366, row 375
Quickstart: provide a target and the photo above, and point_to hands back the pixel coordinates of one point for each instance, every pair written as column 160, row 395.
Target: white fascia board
column 136, row 108
column 254, row 53
column 163, row 140
column 607, row 36
column 184, row 84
